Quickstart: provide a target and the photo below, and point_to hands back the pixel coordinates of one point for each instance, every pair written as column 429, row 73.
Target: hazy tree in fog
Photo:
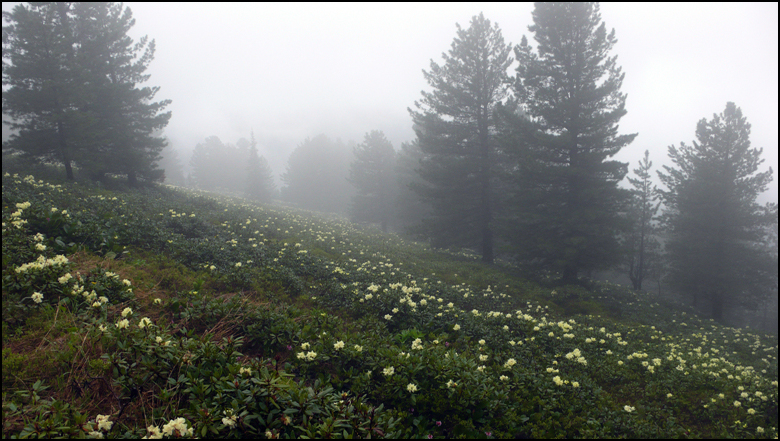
column 204, row 157
column 372, row 173
column 72, row 89
column 260, row 184
column 221, row 167
column 172, row 164
column 408, row 209
column 126, row 134
column 715, row 225
column 567, row 201
column 641, row 245
column 455, row 128
column 43, row 91
column 316, row 176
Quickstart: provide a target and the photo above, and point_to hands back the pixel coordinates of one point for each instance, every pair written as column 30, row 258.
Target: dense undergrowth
column 162, row 312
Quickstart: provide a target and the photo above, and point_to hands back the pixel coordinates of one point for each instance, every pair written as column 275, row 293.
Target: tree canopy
column 72, row 78
column 716, row 226
column 316, row 176
column 455, row 128
column 372, row 173
column 566, row 201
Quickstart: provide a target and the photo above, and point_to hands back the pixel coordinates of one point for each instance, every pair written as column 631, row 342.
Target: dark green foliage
column 716, row 227
column 73, row 92
column 260, row 184
column 372, row 173
column 127, row 118
column 455, row 126
column 316, row 176
column 566, row 200
column 409, row 210
column 40, row 85
column 288, row 334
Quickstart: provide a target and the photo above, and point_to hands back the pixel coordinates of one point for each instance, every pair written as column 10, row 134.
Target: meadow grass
column 164, row 312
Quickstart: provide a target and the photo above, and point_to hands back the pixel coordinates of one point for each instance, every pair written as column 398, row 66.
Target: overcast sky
column 290, row 71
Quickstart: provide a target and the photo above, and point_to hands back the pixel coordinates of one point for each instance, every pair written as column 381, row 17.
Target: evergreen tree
column 42, row 85
column 455, row 128
column 316, row 176
column 171, row 164
column 715, row 225
column 641, row 245
column 204, row 163
column 566, row 201
column 71, row 80
column 260, row 180
column 372, row 173
column 128, row 139
column 409, row 210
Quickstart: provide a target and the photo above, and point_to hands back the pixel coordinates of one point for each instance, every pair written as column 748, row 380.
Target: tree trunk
column 485, row 192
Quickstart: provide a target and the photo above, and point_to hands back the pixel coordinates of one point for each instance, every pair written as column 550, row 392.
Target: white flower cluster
column 42, row 262
column 175, row 428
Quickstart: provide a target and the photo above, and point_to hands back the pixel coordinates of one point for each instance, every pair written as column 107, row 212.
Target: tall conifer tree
column 42, row 84
column 71, row 82
column 642, row 247
column 372, row 173
column 455, row 128
column 127, row 139
column 567, row 199
column 260, row 180
column 715, row 224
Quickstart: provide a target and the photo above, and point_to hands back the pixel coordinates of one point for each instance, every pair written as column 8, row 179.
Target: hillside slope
column 163, row 311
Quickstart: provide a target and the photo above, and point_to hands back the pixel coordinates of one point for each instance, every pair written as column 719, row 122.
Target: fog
column 291, row 71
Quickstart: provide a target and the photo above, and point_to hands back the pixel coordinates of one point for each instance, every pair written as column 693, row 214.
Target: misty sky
column 291, row 71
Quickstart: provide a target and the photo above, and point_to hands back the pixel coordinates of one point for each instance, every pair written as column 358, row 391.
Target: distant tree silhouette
column 409, row 209
column 260, row 181
column 372, row 173
column 316, row 176
column 642, row 246
column 715, row 225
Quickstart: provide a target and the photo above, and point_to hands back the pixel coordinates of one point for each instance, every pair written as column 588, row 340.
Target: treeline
column 71, row 87
column 232, row 169
column 509, row 161
column 520, row 166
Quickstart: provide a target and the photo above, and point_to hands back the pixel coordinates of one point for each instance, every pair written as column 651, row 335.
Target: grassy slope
column 243, row 286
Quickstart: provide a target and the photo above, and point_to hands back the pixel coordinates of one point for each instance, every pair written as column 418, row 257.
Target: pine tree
column 171, row 163
column 42, row 88
column 566, row 201
column 127, row 137
column 202, row 162
column 372, row 173
column 71, row 80
column 455, row 127
column 316, row 176
column 641, row 244
column 715, row 225
column 260, row 180
column 409, row 210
